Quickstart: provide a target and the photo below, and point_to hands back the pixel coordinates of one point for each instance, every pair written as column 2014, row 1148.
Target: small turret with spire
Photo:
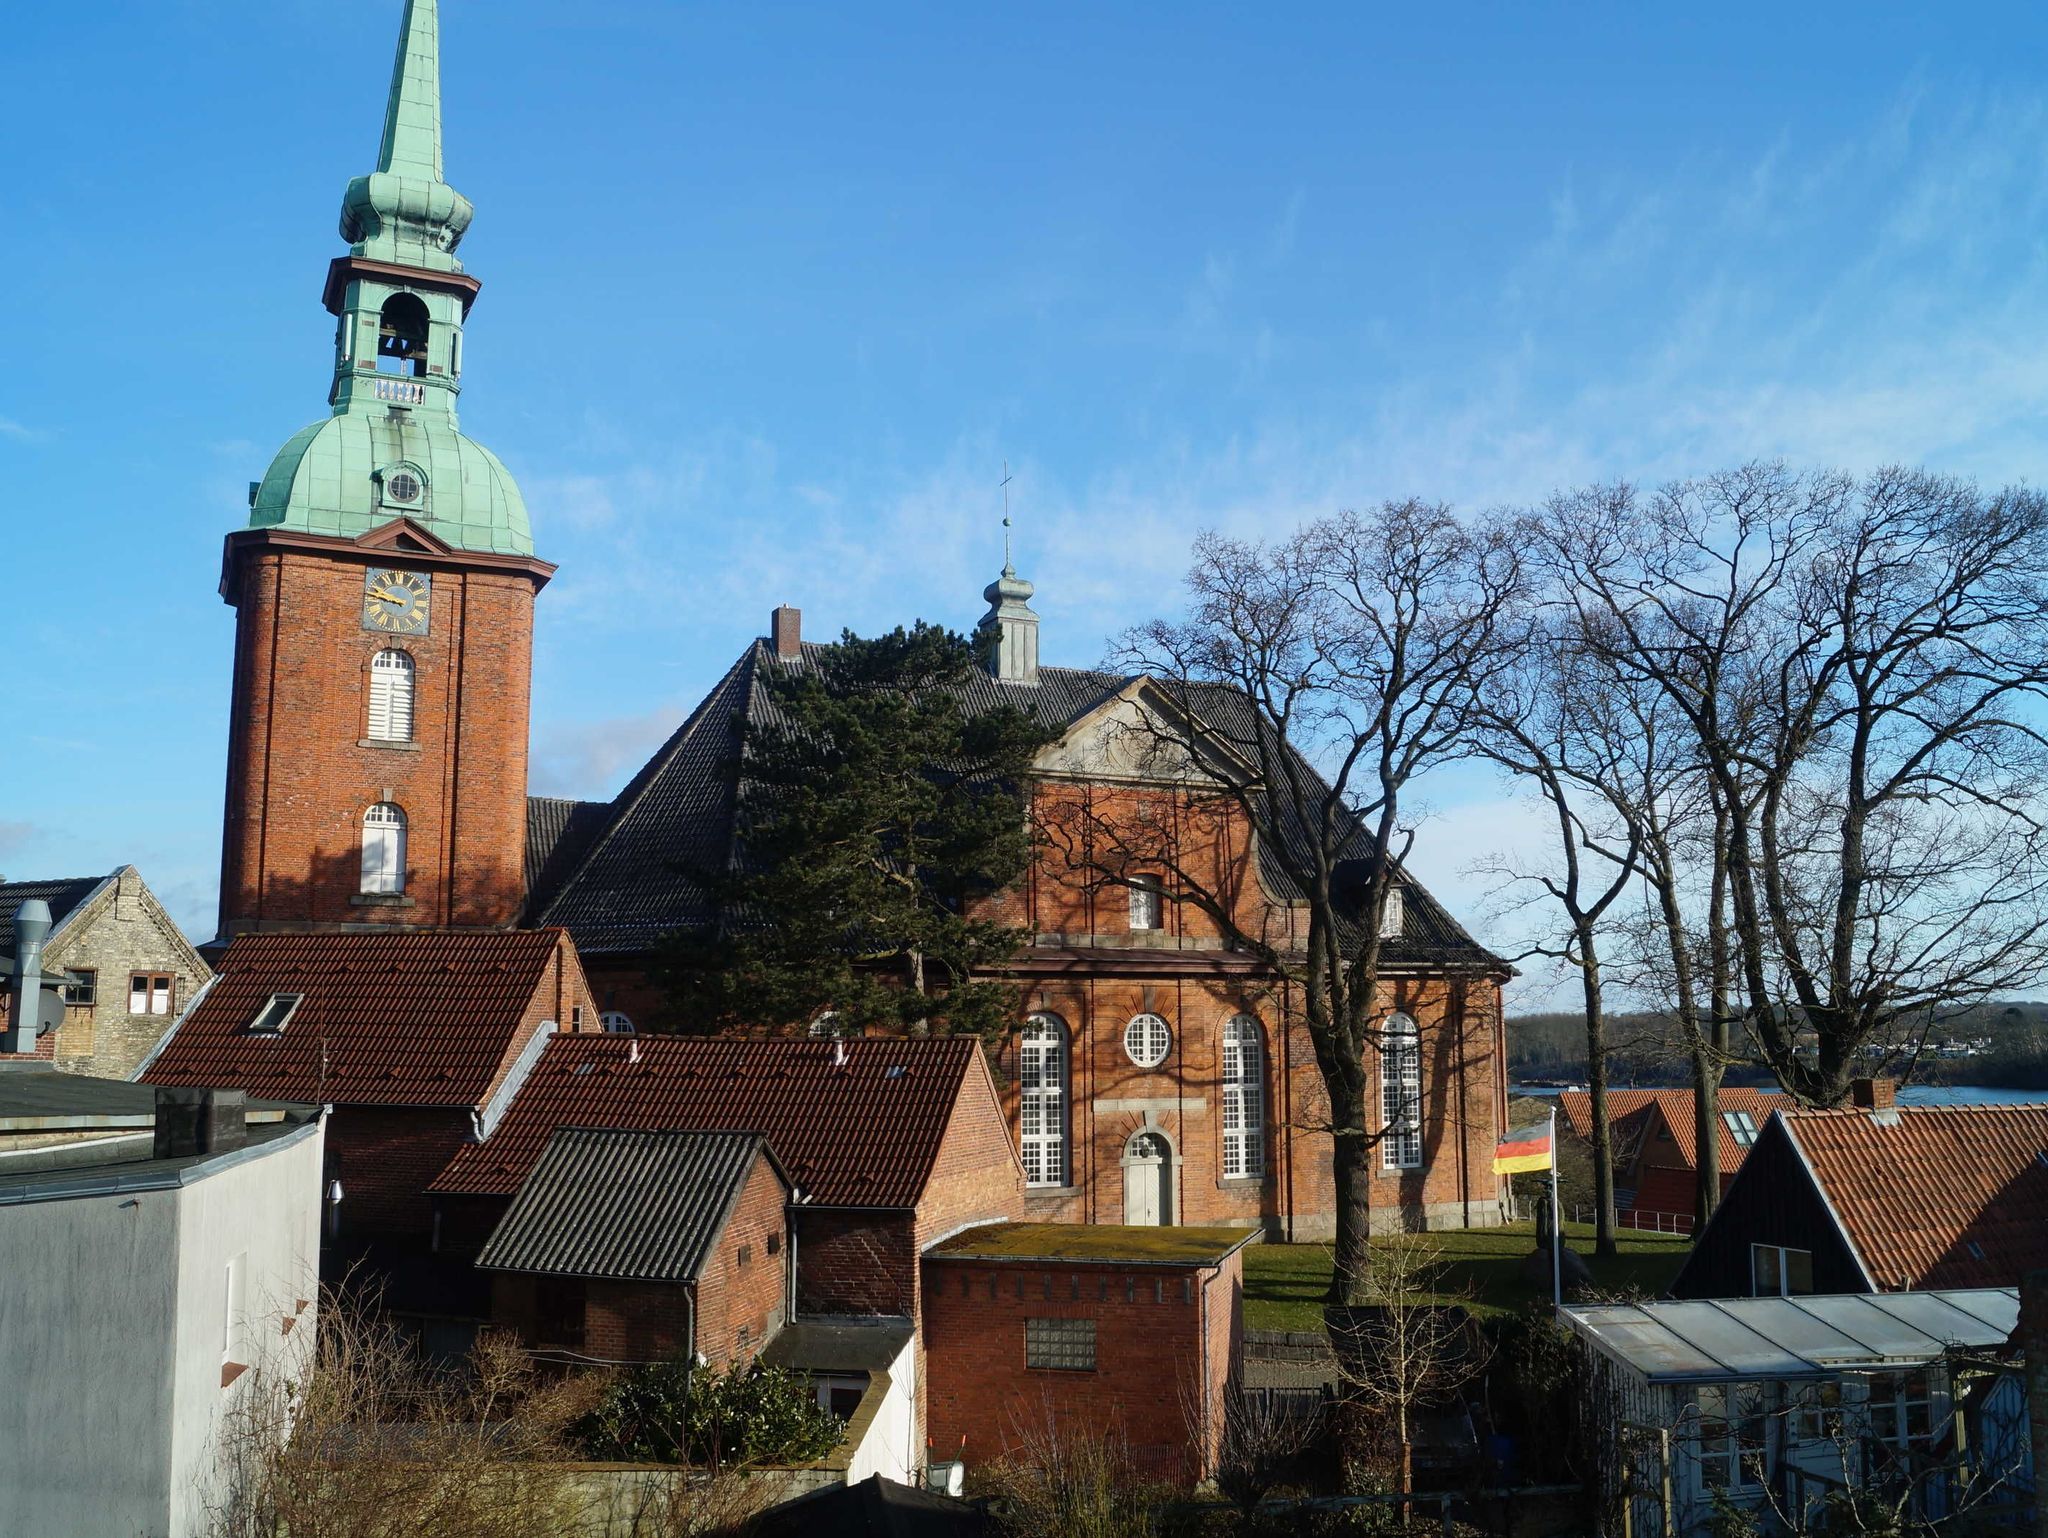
column 1008, row 633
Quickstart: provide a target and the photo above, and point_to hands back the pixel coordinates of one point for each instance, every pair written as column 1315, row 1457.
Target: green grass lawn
column 1283, row 1283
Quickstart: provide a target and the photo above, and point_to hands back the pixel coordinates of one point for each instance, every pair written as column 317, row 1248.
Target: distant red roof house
column 419, row 1038
column 1656, row 1144
column 1882, row 1199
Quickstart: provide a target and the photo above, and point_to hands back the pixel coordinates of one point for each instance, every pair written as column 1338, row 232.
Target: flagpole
column 1556, row 1223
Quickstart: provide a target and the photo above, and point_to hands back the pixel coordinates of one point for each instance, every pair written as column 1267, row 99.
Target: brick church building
column 384, row 590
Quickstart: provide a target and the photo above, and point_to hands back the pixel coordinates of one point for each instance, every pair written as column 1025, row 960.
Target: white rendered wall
column 890, row 1447
column 110, row 1327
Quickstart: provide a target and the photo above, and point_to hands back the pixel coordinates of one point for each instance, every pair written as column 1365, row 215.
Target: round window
column 1147, row 1039
column 402, row 486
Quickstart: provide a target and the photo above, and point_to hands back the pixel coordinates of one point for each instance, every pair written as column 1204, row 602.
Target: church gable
column 1139, row 736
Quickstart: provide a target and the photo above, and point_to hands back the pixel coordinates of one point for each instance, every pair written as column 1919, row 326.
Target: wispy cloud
column 21, row 432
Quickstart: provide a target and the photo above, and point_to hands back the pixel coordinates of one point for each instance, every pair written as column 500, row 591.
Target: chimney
column 190, row 1120
column 1873, row 1094
column 786, row 630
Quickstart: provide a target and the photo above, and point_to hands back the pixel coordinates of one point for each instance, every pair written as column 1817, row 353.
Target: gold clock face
column 395, row 601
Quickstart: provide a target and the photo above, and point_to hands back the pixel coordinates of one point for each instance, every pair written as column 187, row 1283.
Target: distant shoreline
column 1911, row 1094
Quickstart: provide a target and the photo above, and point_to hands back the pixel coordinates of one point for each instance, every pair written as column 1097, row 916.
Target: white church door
column 1148, row 1179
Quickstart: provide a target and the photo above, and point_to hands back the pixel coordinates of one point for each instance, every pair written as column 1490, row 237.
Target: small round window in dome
column 1147, row 1039
column 402, row 486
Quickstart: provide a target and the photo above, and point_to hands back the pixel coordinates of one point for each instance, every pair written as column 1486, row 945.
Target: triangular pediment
column 1142, row 735
column 405, row 537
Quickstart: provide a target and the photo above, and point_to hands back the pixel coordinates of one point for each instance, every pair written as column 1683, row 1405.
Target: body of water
column 1912, row 1094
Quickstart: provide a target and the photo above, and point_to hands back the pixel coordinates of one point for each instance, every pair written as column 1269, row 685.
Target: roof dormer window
column 272, row 1017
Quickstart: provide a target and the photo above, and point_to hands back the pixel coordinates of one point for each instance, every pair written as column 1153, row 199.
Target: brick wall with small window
column 743, row 1288
column 1094, row 1346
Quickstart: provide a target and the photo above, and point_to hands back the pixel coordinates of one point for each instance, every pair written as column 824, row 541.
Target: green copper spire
column 392, row 448
column 403, row 211
column 412, row 118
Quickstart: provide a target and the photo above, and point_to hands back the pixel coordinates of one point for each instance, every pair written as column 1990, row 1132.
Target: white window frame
column 1244, row 1098
column 1394, row 915
column 1770, row 1271
column 384, row 838
column 1148, row 1040
column 393, row 677
column 276, row 1014
column 616, row 1021
column 1043, row 1065
column 1741, row 1127
column 1890, row 1400
column 1732, row 1439
column 1401, row 1093
column 1148, row 904
column 151, row 993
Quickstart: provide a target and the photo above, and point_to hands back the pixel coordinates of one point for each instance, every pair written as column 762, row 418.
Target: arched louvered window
column 1042, row 1100
column 1244, row 1098
column 1401, row 1094
column 384, row 849
column 391, row 678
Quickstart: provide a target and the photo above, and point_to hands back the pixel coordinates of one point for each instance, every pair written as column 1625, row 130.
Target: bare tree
column 1859, row 669
column 1556, row 724
column 1313, row 679
column 1260, row 1442
column 1411, row 1347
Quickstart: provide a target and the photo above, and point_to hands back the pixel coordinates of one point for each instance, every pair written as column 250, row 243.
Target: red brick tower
column 384, row 593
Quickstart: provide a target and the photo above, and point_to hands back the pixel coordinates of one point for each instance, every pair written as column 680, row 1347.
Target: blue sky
column 771, row 291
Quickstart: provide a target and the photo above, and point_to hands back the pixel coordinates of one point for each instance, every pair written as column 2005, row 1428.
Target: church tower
column 384, row 590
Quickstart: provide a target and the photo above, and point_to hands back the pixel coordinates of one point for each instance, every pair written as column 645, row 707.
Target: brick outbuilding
column 638, row 1246
column 891, row 1145
column 1034, row 1328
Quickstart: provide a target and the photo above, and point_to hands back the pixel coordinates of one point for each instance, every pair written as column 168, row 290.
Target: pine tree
column 874, row 811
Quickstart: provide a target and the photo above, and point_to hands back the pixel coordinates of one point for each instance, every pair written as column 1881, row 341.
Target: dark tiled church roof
column 635, row 881
column 558, row 832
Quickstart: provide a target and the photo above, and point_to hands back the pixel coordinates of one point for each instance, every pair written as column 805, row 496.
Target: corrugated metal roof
column 641, row 878
column 864, row 1133
column 624, row 1204
column 1935, row 1195
column 416, row 1017
column 1756, row 1338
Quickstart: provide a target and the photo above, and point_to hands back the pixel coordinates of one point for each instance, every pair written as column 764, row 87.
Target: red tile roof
column 1631, row 1113
column 412, row 1018
column 862, row 1135
column 1938, row 1195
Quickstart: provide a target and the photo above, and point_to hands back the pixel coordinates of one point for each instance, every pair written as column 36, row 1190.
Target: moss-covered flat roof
column 1104, row 1244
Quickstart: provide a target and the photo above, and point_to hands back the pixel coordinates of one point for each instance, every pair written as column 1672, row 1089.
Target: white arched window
column 391, row 675
column 1148, row 898
column 384, row 848
column 1042, row 1100
column 1244, row 1098
column 1401, row 1094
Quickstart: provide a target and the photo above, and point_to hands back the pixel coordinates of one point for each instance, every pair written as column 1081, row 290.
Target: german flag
column 1524, row 1149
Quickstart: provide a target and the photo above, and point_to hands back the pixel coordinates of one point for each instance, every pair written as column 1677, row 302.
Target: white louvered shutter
column 391, row 680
